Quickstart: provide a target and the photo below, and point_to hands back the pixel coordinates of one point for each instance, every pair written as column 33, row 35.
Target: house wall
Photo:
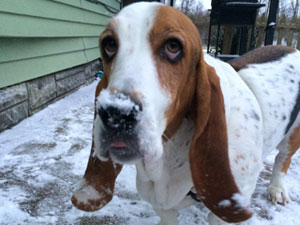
column 39, row 37
column 48, row 48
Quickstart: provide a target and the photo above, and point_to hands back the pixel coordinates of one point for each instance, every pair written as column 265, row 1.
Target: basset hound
column 188, row 121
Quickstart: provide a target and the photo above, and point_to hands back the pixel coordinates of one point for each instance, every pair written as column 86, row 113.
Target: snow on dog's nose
column 118, row 111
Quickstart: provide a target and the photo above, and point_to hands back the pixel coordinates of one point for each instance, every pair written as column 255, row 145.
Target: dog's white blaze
column 134, row 71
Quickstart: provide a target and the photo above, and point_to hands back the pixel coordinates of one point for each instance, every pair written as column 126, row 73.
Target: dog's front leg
column 277, row 190
column 168, row 217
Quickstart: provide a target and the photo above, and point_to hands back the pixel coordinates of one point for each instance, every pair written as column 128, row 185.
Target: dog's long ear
column 208, row 155
column 97, row 186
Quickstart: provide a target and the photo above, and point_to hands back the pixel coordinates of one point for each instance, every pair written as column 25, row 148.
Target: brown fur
column 261, row 55
column 177, row 79
column 209, row 157
column 100, row 175
column 108, row 32
column 294, row 144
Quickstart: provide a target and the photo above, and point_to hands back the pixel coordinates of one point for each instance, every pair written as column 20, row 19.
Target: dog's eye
column 173, row 50
column 110, row 46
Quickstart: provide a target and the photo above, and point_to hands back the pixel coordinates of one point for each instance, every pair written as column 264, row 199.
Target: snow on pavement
column 43, row 158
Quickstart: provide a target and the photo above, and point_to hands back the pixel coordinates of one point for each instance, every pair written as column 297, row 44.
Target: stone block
column 93, row 67
column 41, row 91
column 70, row 83
column 12, row 116
column 13, row 95
column 88, row 71
column 97, row 65
column 69, row 72
column 90, row 80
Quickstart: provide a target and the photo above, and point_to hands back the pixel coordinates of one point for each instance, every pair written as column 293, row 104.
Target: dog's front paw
column 278, row 195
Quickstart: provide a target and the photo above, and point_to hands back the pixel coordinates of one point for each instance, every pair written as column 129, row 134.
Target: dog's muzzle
column 119, row 137
column 120, row 119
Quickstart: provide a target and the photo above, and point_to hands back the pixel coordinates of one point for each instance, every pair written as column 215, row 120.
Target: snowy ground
column 43, row 158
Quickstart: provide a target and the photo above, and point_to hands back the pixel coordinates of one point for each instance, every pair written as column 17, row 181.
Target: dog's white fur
column 133, row 75
column 254, row 98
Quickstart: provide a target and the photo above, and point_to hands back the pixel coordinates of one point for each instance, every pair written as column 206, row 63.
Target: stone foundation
column 22, row 100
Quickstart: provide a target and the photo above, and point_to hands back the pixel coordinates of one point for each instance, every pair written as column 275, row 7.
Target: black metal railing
column 240, row 13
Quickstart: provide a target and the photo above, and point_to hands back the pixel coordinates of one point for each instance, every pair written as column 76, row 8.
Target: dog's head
column 150, row 57
column 154, row 75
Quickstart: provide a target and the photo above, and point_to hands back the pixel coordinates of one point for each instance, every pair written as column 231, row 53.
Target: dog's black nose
column 115, row 117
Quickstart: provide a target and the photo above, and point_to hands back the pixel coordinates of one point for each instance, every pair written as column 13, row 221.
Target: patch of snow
column 240, row 200
column 86, row 193
column 9, row 208
column 224, row 203
column 272, row 24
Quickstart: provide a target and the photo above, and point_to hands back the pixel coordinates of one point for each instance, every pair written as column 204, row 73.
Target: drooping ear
column 97, row 186
column 208, row 155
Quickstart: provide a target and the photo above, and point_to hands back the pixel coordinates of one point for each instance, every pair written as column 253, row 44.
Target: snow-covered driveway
column 43, row 158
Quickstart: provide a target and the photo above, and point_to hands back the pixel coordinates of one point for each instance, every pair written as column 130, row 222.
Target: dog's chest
column 176, row 149
column 166, row 183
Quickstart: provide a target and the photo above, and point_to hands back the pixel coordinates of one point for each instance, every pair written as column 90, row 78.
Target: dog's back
column 273, row 75
column 274, row 78
column 265, row 54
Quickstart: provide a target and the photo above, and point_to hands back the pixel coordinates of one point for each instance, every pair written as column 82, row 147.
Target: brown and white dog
column 188, row 121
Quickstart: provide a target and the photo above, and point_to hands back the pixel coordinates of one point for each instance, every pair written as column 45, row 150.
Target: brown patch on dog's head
column 177, row 76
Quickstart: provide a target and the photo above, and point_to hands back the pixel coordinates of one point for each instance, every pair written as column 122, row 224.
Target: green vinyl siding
column 38, row 37
column 28, row 26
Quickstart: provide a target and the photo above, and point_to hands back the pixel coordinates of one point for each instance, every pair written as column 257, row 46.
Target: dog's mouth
column 122, row 147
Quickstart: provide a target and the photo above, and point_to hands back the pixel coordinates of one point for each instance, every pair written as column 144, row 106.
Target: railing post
column 271, row 24
column 243, row 43
column 260, row 29
column 298, row 29
column 227, row 40
column 281, row 29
